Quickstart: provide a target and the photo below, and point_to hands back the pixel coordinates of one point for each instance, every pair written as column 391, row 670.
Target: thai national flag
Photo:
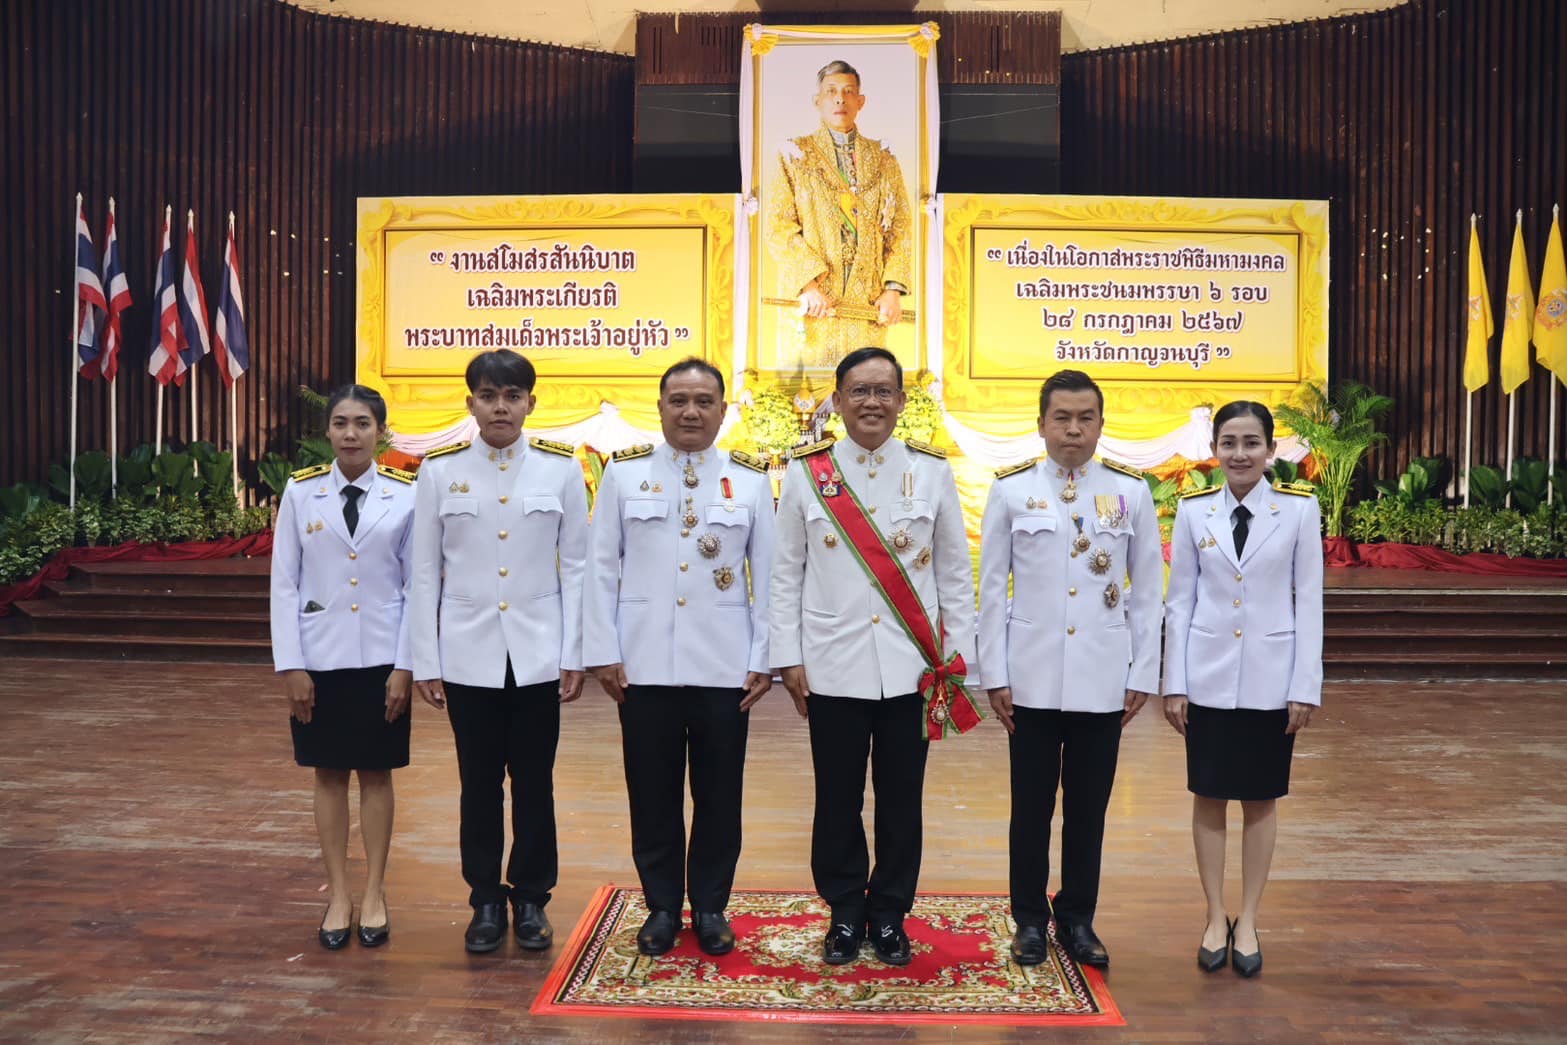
column 90, row 303
column 119, row 297
column 232, row 343
column 193, row 301
column 168, row 338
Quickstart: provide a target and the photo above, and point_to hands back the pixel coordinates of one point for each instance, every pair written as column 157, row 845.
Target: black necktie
column 351, row 495
column 1242, row 515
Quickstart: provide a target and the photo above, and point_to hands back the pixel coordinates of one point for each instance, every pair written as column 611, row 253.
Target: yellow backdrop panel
column 1168, row 303
column 602, row 293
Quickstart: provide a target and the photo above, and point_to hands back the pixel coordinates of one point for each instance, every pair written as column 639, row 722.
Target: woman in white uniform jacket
column 1243, row 661
column 341, row 553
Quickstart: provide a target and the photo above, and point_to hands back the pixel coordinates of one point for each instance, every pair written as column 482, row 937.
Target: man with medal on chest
column 873, row 632
column 1072, row 657
column 675, row 631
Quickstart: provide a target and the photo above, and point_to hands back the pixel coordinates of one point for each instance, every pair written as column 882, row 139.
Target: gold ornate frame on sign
column 815, row 383
column 433, row 400
column 1134, row 409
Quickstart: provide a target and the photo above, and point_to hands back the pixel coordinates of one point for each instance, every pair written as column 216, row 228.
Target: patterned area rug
column 962, row 970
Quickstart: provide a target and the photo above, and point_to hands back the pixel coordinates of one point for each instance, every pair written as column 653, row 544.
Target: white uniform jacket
column 499, row 542
column 826, row 613
column 1247, row 632
column 339, row 601
column 666, row 592
column 1082, row 626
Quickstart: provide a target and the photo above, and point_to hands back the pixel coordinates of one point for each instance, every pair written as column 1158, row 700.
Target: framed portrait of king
column 838, row 151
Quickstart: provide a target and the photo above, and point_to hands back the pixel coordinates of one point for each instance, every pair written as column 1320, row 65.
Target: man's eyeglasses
column 881, row 393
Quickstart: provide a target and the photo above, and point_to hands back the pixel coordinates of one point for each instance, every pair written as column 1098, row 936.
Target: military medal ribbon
column 948, row 704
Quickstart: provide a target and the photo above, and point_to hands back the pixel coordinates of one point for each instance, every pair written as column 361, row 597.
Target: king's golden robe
column 854, row 236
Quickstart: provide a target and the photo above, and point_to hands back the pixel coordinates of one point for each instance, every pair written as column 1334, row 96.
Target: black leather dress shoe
column 713, row 934
column 1030, row 946
column 892, row 944
column 334, row 939
column 1082, row 944
column 1213, row 961
column 842, row 945
column 532, row 926
column 657, row 935
column 1247, row 965
column 487, row 929
column 375, row 935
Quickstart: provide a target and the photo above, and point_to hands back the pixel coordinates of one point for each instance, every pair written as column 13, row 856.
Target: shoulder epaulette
column 396, row 473
column 441, row 451
column 311, row 472
column 1298, row 489
column 550, row 446
column 631, row 453
column 745, row 460
column 1204, row 492
column 925, row 448
column 1013, row 469
column 1124, row 469
column 814, row 448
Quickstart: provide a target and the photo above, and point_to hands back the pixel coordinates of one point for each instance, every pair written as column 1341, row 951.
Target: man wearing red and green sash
column 872, row 629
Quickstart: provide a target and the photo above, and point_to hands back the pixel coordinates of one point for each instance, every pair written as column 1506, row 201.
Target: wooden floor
column 159, row 875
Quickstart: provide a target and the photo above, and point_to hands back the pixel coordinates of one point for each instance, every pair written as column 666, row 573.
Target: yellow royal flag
column 1518, row 323
column 1550, row 319
column 1477, row 359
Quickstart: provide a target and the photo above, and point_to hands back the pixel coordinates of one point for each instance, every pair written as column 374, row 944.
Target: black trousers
column 658, row 726
column 845, row 732
column 1078, row 749
column 512, row 730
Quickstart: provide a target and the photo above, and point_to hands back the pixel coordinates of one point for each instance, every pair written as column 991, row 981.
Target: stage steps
column 204, row 611
column 1411, row 625
column 1379, row 624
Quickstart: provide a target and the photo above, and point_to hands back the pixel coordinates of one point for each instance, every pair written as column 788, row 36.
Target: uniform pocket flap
column 541, row 502
column 910, row 511
column 728, row 515
column 460, row 506
column 646, row 508
column 1034, row 524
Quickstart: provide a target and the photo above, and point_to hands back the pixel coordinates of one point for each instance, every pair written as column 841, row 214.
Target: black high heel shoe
column 1247, row 965
column 334, row 939
column 1213, row 961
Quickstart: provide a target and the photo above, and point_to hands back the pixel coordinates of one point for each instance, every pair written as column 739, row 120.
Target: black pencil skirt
column 1241, row 754
column 348, row 727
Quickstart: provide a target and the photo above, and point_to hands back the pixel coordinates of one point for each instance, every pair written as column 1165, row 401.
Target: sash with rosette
column 948, row 705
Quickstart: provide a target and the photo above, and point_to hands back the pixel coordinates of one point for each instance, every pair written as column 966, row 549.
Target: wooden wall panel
column 285, row 117
column 1406, row 120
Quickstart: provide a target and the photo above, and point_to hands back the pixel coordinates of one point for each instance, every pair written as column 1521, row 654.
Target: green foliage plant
column 1339, row 428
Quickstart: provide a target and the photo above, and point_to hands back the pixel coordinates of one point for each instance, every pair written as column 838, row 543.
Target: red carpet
column 961, row 973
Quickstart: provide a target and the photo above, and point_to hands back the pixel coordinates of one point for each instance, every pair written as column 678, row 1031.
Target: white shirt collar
column 365, row 482
column 1253, row 500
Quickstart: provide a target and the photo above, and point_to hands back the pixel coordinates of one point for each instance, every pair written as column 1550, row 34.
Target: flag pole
column 1511, row 411
column 190, row 228
column 1469, row 431
column 114, row 429
column 76, row 298
column 157, row 432
column 1550, row 452
column 234, row 385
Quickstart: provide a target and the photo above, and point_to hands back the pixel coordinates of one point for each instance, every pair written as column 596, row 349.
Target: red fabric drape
column 1423, row 557
column 58, row 567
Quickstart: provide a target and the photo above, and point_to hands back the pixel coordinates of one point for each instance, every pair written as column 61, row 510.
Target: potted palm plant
column 1339, row 428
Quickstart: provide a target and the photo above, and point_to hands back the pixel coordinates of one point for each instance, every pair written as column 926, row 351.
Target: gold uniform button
column 1071, row 591
column 873, row 509
column 504, row 498
column 684, row 567
column 353, row 580
column 1237, row 577
column 502, row 535
column 875, row 618
column 1070, row 630
column 503, row 605
column 353, row 555
column 503, row 468
column 504, row 571
column 680, row 601
column 354, row 607
column 685, row 533
column 1237, row 633
column 1237, row 602
column 871, row 473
